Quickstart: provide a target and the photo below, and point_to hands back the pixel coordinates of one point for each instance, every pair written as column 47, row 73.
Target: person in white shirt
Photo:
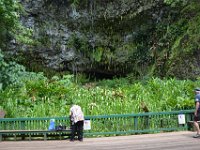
column 77, row 120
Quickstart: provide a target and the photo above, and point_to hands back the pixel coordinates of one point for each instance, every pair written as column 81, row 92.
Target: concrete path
column 160, row 141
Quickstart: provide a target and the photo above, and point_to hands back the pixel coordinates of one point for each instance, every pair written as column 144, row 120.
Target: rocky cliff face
column 110, row 38
column 87, row 35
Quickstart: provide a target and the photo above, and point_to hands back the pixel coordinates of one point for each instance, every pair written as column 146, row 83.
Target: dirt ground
column 160, row 141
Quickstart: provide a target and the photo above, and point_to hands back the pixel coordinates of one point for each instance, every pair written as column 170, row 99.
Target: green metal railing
column 151, row 122
column 138, row 123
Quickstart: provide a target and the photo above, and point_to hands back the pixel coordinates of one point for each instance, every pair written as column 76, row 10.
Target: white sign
column 181, row 118
column 87, row 125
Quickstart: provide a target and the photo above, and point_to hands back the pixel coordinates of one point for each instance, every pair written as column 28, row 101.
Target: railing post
column 45, row 136
column 146, row 122
column 135, row 123
column 23, row 125
column 161, row 123
column 23, row 128
column 0, row 137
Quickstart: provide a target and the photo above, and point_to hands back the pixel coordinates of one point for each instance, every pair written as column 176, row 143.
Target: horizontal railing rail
column 116, row 124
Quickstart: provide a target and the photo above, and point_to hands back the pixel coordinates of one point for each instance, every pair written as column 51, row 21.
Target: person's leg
column 73, row 130
column 196, row 125
column 76, row 129
column 80, row 131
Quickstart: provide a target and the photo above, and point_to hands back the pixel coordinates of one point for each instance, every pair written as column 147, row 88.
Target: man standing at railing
column 197, row 112
column 77, row 120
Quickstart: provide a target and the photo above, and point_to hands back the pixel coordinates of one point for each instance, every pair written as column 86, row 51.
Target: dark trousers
column 77, row 128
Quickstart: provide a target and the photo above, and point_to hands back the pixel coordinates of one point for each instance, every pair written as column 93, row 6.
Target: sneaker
column 196, row 136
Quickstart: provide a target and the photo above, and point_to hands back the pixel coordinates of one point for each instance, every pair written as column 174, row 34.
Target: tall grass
column 47, row 98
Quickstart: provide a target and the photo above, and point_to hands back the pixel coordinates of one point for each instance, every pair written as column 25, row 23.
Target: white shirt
column 76, row 114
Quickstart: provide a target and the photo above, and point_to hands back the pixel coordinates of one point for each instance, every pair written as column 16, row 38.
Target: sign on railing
column 87, row 125
column 181, row 119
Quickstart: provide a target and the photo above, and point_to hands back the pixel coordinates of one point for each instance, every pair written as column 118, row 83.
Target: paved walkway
column 160, row 141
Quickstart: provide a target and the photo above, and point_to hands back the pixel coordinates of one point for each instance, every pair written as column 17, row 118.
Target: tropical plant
column 40, row 97
column 10, row 25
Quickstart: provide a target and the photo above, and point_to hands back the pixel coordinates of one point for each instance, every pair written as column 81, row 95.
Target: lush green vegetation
column 10, row 26
column 33, row 95
column 9, row 19
column 164, row 47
